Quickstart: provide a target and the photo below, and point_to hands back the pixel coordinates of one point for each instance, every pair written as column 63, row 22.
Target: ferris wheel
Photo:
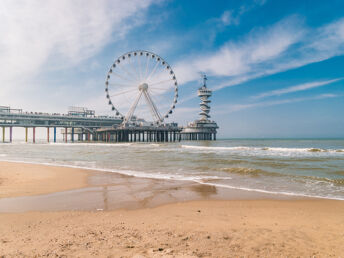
column 141, row 84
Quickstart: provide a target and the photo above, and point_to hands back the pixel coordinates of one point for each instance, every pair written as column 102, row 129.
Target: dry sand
column 240, row 228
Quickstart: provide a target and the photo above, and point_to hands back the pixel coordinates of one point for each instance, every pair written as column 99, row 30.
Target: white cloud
column 232, row 108
column 296, row 88
column 238, row 58
column 41, row 35
column 227, row 18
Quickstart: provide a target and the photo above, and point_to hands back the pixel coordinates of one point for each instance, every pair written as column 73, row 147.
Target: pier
column 82, row 121
column 163, row 133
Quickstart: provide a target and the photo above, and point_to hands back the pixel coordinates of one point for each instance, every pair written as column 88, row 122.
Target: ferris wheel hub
column 143, row 86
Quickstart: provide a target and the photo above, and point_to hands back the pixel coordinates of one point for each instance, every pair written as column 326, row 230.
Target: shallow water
column 313, row 168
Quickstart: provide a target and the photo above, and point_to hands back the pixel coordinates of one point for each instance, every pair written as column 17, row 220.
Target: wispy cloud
column 227, row 18
column 296, row 88
column 261, row 46
column 233, row 108
column 286, row 45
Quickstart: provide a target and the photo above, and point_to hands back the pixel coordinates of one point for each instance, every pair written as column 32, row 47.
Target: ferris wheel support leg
column 132, row 108
column 151, row 104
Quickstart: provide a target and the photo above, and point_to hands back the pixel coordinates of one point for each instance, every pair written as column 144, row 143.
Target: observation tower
column 203, row 128
column 204, row 93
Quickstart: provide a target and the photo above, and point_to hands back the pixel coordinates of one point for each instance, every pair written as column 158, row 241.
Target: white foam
column 272, row 192
column 267, row 150
column 134, row 173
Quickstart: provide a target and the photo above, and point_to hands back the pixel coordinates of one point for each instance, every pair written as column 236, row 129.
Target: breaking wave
column 264, row 150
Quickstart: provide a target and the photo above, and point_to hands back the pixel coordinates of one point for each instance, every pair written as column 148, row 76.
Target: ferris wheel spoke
column 122, row 85
column 140, row 72
column 123, row 77
column 157, row 89
column 123, row 92
column 128, row 73
column 152, row 72
column 131, row 65
column 157, row 92
column 146, row 71
column 161, row 82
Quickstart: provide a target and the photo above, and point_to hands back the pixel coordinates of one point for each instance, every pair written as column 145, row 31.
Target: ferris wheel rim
column 159, row 60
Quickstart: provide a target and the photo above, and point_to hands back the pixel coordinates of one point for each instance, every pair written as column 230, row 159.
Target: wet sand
column 131, row 218
column 20, row 179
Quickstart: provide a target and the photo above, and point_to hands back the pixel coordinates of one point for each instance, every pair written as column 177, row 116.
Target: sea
column 290, row 167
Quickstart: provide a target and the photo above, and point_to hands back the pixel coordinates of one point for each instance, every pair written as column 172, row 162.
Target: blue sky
column 276, row 67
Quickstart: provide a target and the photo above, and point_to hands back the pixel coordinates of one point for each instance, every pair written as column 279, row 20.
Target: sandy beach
column 205, row 227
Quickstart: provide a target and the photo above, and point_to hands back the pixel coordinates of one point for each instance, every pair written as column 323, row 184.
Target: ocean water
column 313, row 168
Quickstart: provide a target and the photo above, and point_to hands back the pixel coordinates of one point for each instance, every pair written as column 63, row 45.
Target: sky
column 276, row 68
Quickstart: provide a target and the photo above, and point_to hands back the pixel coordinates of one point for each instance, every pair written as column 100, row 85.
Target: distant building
column 203, row 128
column 80, row 111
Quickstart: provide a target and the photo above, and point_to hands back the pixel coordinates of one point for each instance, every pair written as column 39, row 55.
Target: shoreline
column 37, row 187
column 274, row 195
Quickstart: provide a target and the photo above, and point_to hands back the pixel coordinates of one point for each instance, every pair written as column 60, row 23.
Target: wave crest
column 254, row 172
column 263, row 149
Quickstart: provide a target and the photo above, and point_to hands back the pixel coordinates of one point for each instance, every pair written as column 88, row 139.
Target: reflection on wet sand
column 204, row 190
column 109, row 191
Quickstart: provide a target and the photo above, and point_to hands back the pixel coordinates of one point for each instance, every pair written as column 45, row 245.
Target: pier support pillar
column 48, row 131
column 11, row 133
column 3, row 134
column 26, row 134
column 33, row 134
column 72, row 136
column 66, row 135
column 54, row 134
